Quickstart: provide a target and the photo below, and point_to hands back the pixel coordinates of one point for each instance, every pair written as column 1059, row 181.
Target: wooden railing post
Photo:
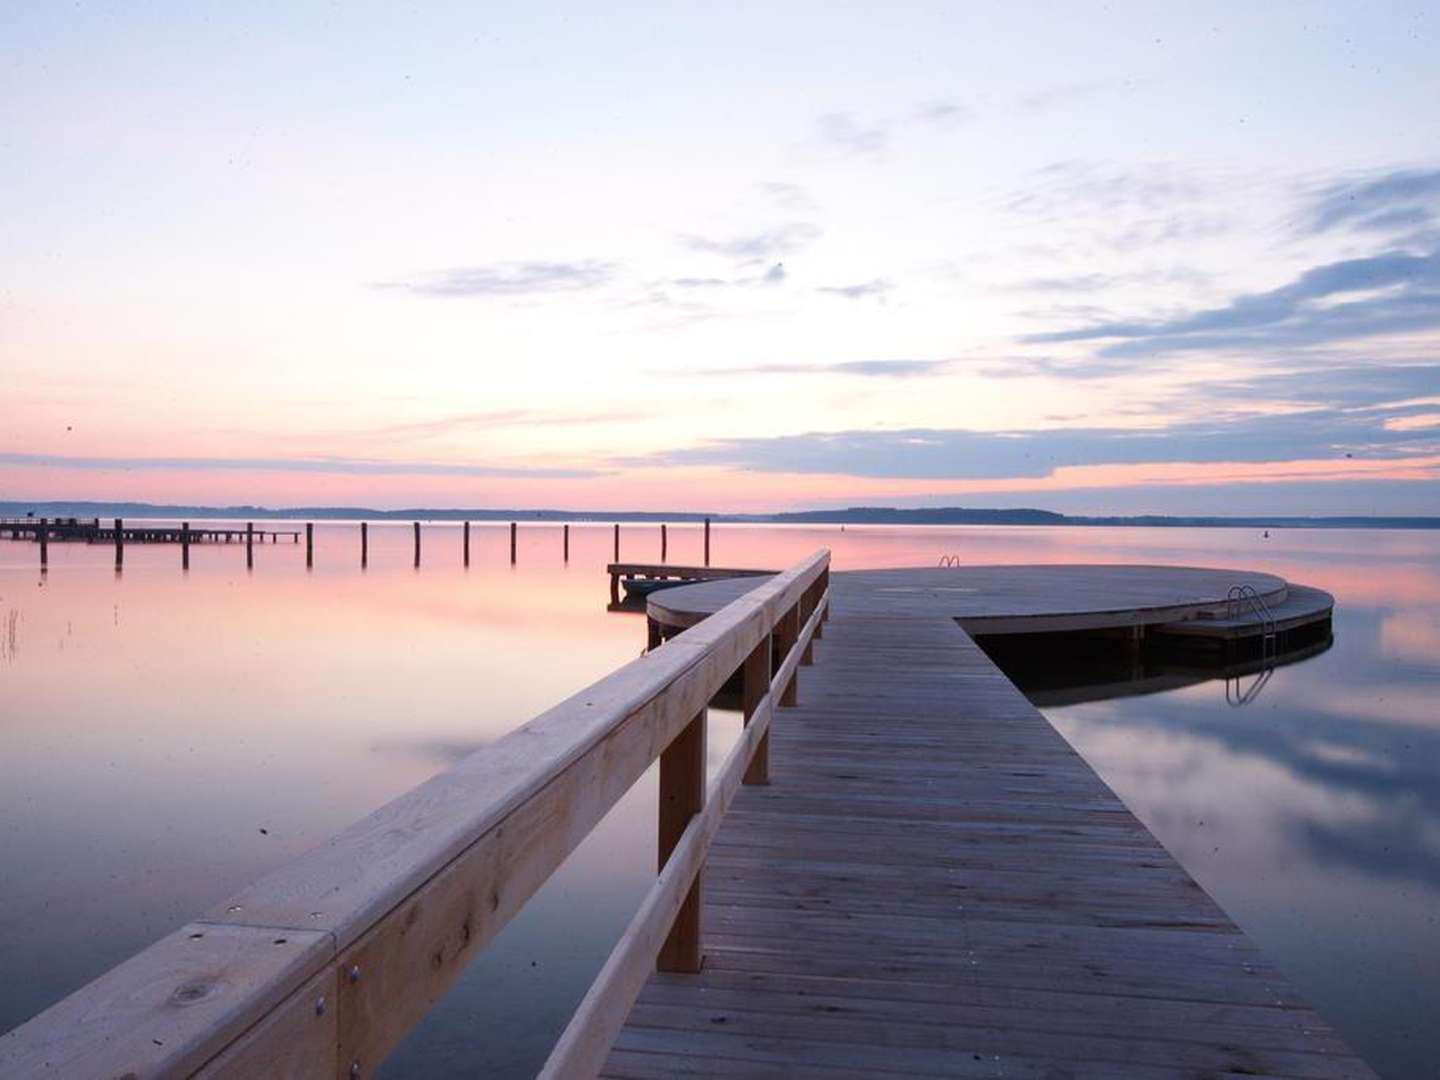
column 808, row 600
column 754, row 684
column 682, row 796
column 785, row 635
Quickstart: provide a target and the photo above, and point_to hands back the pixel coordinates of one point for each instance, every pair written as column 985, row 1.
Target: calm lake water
column 167, row 737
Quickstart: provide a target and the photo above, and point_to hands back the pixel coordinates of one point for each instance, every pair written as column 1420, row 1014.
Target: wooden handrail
column 586, row 1041
column 323, row 965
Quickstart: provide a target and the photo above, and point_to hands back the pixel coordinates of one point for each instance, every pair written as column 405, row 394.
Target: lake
column 168, row 736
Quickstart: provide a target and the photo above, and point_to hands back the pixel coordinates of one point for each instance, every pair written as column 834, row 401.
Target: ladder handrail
column 1241, row 597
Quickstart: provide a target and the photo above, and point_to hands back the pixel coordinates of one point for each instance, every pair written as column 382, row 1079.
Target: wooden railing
column 323, row 966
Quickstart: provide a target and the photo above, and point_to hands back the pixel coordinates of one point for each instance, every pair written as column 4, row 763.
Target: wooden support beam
column 682, row 796
column 787, row 632
column 754, row 685
column 808, row 599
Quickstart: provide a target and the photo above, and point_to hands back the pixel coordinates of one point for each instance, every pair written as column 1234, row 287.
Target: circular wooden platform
column 1006, row 599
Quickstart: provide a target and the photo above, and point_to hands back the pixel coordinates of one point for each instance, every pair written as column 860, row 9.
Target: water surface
column 167, row 737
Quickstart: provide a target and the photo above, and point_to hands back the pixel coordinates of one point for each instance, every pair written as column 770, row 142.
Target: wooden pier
column 641, row 579
column 900, row 869
column 936, row 884
column 93, row 532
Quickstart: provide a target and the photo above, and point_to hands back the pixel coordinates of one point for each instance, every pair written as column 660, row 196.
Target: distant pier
column 94, row 532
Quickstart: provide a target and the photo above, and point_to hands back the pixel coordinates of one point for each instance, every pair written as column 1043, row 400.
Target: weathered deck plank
column 935, row 883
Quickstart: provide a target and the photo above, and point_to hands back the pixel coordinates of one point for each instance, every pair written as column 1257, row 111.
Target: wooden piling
column 184, row 545
column 682, row 796
column 309, row 545
column 119, row 543
column 707, row 541
column 617, row 543
column 42, row 533
column 567, row 543
column 467, row 543
column 364, row 544
column 664, row 542
column 512, row 543
column 250, row 545
column 754, row 685
column 417, row 543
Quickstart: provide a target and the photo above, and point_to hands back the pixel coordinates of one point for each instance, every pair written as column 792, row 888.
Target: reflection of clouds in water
column 1408, row 706
column 1412, row 634
column 1349, row 786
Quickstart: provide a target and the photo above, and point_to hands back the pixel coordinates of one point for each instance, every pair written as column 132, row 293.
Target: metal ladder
column 949, row 560
column 1242, row 598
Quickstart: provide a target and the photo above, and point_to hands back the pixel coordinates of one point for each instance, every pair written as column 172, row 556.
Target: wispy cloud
column 756, row 246
column 943, row 113
column 508, row 279
column 845, row 132
column 965, row 454
column 873, row 369
column 773, row 275
column 1096, row 282
column 877, row 287
column 1393, row 202
column 1349, row 299
column 331, row 465
column 473, row 422
column 1068, row 93
column 787, row 196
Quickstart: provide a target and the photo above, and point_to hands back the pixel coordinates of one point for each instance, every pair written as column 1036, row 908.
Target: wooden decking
column 935, row 883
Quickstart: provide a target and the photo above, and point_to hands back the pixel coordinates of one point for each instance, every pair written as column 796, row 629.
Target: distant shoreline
column 855, row 515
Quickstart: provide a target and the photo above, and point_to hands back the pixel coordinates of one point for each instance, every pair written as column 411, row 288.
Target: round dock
column 1011, row 599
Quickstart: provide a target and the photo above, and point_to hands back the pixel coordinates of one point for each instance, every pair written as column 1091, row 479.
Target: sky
column 1100, row 258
